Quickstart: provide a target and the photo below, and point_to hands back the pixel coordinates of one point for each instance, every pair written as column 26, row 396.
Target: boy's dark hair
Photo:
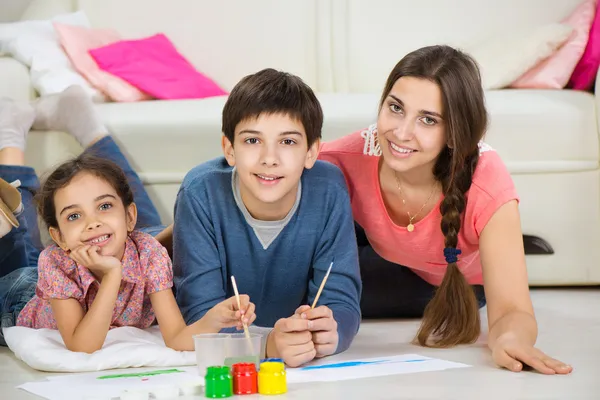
column 61, row 176
column 273, row 92
column 452, row 316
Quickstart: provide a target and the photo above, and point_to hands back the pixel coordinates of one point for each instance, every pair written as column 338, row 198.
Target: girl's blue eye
column 73, row 217
column 105, row 206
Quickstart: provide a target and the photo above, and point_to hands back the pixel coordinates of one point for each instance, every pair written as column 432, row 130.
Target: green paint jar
column 218, row 382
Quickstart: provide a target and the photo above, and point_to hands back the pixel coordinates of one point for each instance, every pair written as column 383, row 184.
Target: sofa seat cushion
column 543, row 130
column 533, row 131
column 165, row 139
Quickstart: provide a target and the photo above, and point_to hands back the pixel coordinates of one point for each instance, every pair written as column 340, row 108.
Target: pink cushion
column 155, row 66
column 584, row 75
column 76, row 41
column 555, row 71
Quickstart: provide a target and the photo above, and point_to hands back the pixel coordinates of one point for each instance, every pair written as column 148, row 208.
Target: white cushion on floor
column 44, row 350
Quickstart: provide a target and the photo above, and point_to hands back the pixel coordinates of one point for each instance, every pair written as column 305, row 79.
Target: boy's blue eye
column 251, row 140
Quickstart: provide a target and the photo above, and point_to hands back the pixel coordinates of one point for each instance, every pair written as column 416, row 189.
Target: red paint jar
column 245, row 379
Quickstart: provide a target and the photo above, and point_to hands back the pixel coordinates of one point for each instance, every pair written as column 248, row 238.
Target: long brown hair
column 452, row 316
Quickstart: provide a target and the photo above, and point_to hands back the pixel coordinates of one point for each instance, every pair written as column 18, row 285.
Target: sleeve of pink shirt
column 492, row 187
column 57, row 275
column 159, row 272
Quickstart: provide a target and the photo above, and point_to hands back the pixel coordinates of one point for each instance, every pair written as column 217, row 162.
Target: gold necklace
column 410, row 227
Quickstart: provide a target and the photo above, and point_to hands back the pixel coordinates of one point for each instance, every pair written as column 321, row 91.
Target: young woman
column 437, row 212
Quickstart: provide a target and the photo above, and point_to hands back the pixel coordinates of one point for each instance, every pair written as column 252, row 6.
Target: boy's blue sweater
column 213, row 241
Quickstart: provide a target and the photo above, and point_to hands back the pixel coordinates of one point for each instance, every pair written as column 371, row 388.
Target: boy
column 274, row 217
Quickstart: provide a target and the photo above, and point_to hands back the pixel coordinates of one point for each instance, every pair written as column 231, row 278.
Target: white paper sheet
column 367, row 368
column 88, row 386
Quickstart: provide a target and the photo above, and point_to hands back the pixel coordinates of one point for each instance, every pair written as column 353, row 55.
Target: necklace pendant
column 410, row 227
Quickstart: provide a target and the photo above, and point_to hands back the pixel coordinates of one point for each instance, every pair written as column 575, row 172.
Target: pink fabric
column 155, row 66
column 77, row 41
column 422, row 249
column 146, row 269
column 584, row 75
column 555, row 71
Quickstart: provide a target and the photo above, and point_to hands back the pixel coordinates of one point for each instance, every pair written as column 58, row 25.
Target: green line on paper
column 141, row 374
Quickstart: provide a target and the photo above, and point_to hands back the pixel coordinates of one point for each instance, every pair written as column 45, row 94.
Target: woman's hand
column 511, row 353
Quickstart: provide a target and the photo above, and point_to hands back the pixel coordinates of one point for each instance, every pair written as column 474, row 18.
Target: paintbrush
column 322, row 286
column 237, row 297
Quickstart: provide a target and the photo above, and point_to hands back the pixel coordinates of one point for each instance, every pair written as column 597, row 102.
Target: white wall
column 11, row 10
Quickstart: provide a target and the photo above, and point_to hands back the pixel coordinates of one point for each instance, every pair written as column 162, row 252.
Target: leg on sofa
column 73, row 111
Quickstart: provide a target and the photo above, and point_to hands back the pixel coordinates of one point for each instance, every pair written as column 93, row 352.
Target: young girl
column 103, row 271
column 423, row 166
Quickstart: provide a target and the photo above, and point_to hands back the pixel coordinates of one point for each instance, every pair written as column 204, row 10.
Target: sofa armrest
column 15, row 82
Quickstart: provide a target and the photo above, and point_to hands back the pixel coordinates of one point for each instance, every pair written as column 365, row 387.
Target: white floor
column 569, row 330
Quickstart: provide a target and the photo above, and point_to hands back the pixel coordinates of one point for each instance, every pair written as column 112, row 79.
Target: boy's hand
column 291, row 340
column 226, row 313
column 90, row 257
column 323, row 328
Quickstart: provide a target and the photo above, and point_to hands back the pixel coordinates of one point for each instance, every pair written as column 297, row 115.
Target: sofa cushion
column 251, row 35
column 586, row 69
column 543, row 130
column 372, row 36
column 555, row 71
column 77, row 41
column 192, row 129
column 155, row 66
column 533, row 131
column 36, row 45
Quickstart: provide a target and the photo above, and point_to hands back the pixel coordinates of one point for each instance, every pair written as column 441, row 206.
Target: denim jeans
column 391, row 290
column 21, row 247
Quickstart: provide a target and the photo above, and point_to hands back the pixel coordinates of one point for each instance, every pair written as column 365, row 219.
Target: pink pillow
column 584, row 75
column 155, row 66
column 555, row 71
column 76, row 41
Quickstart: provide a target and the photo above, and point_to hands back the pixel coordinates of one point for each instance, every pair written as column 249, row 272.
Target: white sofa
column 345, row 49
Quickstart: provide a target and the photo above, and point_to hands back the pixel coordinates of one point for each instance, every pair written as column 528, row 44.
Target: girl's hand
column 89, row 257
column 510, row 352
column 226, row 313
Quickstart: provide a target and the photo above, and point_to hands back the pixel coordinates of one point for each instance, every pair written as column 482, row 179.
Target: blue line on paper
column 359, row 363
